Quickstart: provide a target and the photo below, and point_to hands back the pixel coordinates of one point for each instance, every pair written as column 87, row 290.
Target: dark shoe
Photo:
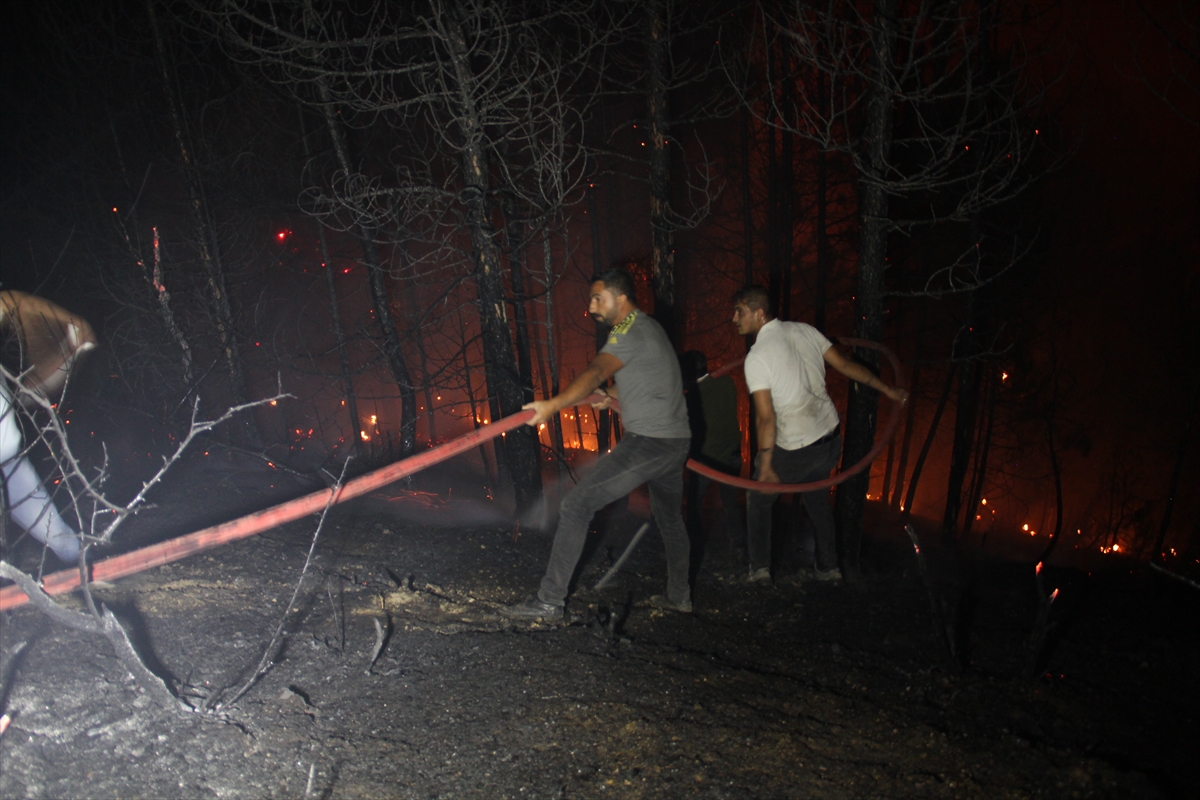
column 532, row 607
column 664, row 602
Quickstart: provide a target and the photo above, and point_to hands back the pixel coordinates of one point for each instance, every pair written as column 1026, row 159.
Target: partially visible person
column 652, row 451
column 798, row 428
column 716, row 443
column 45, row 341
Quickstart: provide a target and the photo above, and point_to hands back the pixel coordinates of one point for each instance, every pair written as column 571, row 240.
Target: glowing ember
column 1053, row 595
column 983, row 501
column 364, row 436
column 1025, row 527
column 1038, row 569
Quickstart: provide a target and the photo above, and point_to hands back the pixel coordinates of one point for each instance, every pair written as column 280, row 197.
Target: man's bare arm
column 857, row 372
column 601, row 369
column 764, row 414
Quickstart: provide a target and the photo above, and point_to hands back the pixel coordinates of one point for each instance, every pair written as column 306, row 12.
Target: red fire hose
column 156, row 555
column 787, row 488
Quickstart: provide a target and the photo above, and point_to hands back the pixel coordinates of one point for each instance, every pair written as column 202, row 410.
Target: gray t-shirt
column 649, row 385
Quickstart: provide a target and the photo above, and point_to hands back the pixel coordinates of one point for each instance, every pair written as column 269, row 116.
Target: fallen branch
column 382, row 635
column 942, row 618
column 1175, row 575
column 106, row 625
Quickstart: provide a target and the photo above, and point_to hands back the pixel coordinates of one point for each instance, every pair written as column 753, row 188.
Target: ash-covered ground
column 798, row 690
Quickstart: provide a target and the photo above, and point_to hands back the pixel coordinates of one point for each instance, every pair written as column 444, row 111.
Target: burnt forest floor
column 797, row 690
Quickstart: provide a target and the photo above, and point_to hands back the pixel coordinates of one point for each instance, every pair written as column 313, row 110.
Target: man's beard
column 600, row 318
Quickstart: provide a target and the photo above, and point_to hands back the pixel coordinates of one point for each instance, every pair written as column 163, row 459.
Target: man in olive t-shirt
column 653, row 451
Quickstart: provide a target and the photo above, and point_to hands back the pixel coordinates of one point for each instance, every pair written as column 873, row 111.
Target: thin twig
column 381, row 639
column 264, row 664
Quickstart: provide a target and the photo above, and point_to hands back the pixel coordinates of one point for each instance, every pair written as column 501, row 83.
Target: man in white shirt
column 797, row 424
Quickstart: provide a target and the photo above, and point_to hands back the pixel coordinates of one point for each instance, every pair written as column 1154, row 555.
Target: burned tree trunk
column 863, row 407
column 911, row 494
column 343, row 354
column 521, row 447
column 516, row 275
column 906, row 445
column 662, row 251
column 747, row 203
column 350, row 398
column 603, row 416
column 210, row 254
column 551, row 329
column 977, row 485
column 964, row 427
column 377, row 281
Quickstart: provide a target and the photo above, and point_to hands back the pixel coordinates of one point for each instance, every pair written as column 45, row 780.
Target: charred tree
column 521, row 449
column 911, row 494
column 377, row 280
column 862, row 410
column 964, row 419
column 662, row 250
column 206, row 242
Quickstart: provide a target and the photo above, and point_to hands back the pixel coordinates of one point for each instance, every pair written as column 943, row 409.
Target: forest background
column 393, row 212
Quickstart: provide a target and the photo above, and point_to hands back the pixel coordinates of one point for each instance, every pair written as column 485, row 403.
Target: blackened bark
column 343, row 354
column 414, row 311
column 982, row 462
column 551, row 332
column 503, row 375
column 964, row 424
column 483, row 453
column 774, row 267
column 349, row 397
column 911, row 494
column 377, row 281
column 914, row 385
column 822, row 227
column 210, row 253
column 787, row 194
column 747, row 202
column 862, row 410
column 662, row 251
column 603, row 417
column 516, row 275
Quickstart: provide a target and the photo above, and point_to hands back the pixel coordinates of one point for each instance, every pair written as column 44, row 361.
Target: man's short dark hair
column 754, row 298
column 617, row 281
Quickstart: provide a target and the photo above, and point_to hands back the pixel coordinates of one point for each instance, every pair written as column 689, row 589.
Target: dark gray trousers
column 812, row 463
column 634, row 461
